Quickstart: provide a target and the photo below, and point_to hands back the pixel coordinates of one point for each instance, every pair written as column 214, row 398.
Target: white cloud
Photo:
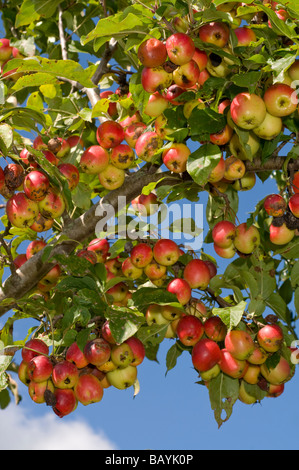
column 19, row 430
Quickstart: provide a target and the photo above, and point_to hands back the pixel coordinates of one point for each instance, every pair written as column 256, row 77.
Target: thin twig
column 61, row 34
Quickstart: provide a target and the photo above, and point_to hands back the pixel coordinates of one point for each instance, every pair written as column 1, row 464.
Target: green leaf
column 123, row 323
column 295, row 275
column 231, row 316
column 277, row 305
column 205, row 121
column 145, row 296
column 31, row 10
column 6, row 137
column 223, row 393
column 172, row 355
column 37, row 79
column 201, row 162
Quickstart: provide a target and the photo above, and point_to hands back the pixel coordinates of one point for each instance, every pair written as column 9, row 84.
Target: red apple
column 65, row 402
column 110, row 134
column 88, row 389
column 100, row 246
column 21, row 211
column 94, row 159
column 97, row 351
column 166, row 252
column 122, row 355
column 137, row 349
column 76, row 356
column 175, row 158
column 223, row 233
column 281, row 235
column 186, row 75
column 122, row 378
column 246, row 238
column 34, row 347
column 235, row 368
column 71, row 173
column 40, row 368
column 217, row 173
column 275, row 205
column 180, row 48
column 201, row 58
column 122, row 156
column 155, row 271
column 270, row 338
column 34, row 247
column 239, row 343
column 130, row 270
column 234, row 168
column 189, row 330
column 37, row 390
column 197, row 274
column 205, row 354
column 245, row 36
column 19, row 260
column 215, row 329
column 278, row 374
column 111, row 177
column 248, row 110
column 141, row 255
column 152, row 53
column 133, row 131
column 36, row 185
column 147, row 145
column 5, row 50
column 156, row 105
column 214, row 33
column 294, row 205
column 295, row 182
column 280, row 100
column 181, row 289
column 155, row 79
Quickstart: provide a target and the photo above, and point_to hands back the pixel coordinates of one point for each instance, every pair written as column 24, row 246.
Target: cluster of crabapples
column 230, row 239
column 284, row 222
column 240, row 353
column 79, row 376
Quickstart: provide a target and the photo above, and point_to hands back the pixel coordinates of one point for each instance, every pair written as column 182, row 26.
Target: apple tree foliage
column 65, row 55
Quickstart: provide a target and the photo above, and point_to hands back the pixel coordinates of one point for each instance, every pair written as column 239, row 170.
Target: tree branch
column 31, row 272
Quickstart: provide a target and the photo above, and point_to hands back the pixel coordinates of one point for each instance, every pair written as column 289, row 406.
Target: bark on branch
column 78, row 230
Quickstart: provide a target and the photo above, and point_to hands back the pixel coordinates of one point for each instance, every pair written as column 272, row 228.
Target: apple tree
column 109, row 113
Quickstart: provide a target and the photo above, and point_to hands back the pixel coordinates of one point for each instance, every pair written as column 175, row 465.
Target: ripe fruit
column 34, row 247
column 122, row 355
column 166, row 252
column 295, row 182
column 146, row 204
column 111, row 177
column 215, row 329
column 270, row 128
column 245, row 183
column 201, row 58
column 141, row 255
column 37, row 390
column 278, row 374
column 155, row 79
column 197, row 274
column 65, row 402
column 244, row 395
column 40, row 368
column 36, row 185
column 239, row 343
column 214, row 33
column 133, row 131
column 5, row 49
column 53, row 205
column 152, row 53
column 137, row 349
column 275, row 205
column 205, row 354
column 20, row 260
column 218, row 172
column 270, row 338
column 247, row 238
column 175, row 158
column 155, row 271
column 186, row 75
column 231, row 366
column 71, row 173
column 65, row 374
column 97, row 351
column 294, row 205
column 189, row 330
column 94, row 159
column 122, row 156
column 110, row 134
column 234, row 168
column 180, row 48
column 156, row 105
column 88, row 389
column 76, row 356
column 280, row 100
column 122, row 378
column 223, row 233
column 252, row 374
column 181, row 289
column 130, row 270
column 100, row 246
column 21, row 211
column 245, row 36
column 34, row 347
column 281, row 235
column 147, row 145
column 155, row 316
column 258, row 355
column 248, row 110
